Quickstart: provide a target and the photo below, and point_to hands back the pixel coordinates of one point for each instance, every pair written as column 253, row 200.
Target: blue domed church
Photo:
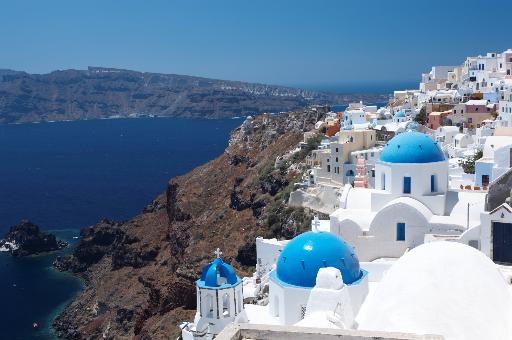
column 220, row 301
column 297, row 274
column 411, row 201
column 316, row 273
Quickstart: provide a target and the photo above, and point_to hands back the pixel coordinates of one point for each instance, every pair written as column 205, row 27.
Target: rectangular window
column 433, row 183
column 400, row 231
column 407, row 185
column 373, row 173
column 328, row 168
column 302, row 311
column 383, row 184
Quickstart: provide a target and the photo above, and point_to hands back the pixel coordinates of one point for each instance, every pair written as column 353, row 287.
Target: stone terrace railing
column 499, row 191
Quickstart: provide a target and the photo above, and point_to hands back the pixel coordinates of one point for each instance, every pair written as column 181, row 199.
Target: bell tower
column 219, row 300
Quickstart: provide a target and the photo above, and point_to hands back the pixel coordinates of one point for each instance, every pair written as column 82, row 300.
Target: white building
column 411, row 199
column 439, row 288
column 496, row 160
column 446, row 134
column 354, row 119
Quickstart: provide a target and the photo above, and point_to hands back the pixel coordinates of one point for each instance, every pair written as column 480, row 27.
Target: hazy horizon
column 339, row 87
column 288, row 43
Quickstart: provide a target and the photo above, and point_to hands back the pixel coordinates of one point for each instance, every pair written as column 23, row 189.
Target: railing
column 499, row 190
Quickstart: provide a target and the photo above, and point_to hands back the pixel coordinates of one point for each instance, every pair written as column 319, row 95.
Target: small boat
column 35, row 325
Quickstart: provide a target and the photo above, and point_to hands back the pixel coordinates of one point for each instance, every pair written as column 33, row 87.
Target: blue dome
column 400, row 114
column 303, row 256
column 215, row 270
column 412, row 126
column 411, row 147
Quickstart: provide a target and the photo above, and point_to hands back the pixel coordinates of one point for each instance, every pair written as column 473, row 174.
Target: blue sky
column 321, row 43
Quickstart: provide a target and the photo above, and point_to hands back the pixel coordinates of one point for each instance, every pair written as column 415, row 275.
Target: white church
column 411, row 256
column 411, row 201
column 445, row 289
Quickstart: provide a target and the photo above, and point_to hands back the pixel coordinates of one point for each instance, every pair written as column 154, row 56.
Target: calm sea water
column 64, row 176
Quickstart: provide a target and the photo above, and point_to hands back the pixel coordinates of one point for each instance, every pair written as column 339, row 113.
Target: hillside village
column 412, row 226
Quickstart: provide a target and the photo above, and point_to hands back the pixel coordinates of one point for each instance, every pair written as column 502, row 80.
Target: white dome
column 442, row 288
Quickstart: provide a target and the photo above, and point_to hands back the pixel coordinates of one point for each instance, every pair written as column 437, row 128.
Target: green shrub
column 421, row 117
column 468, row 164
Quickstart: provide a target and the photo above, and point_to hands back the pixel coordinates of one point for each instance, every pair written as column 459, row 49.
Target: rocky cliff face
column 140, row 274
column 26, row 239
column 104, row 92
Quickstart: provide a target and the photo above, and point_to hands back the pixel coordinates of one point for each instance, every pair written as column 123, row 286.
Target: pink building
column 477, row 111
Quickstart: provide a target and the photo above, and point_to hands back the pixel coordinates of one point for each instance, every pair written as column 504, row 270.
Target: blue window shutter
column 407, row 185
column 400, row 231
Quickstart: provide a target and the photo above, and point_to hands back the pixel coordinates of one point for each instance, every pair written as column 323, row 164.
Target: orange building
column 332, row 129
column 435, row 119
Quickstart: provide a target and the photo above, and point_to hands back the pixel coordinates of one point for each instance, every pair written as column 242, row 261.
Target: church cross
column 218, row 253
column 316, row 222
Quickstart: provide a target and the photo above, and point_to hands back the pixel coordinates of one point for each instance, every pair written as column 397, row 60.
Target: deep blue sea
column 67, row 175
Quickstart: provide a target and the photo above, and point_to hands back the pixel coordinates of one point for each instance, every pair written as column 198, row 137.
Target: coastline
column 20, row 271
column 153, row 140
column 120, row 118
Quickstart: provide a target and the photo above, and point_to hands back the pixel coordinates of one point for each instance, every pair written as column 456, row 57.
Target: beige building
column 332, row 164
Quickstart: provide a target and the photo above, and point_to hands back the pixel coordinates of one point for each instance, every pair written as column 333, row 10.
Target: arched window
column 209, row 306
column 225, row 305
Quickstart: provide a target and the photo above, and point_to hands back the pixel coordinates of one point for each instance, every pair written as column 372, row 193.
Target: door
column 485, row 180
column 502, row 242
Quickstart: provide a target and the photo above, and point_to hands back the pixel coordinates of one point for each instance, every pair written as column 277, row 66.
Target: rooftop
column 412, row 147
column 275, row 332
column 304, row 255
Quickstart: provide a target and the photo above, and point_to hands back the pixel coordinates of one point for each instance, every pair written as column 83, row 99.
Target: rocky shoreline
column 26, row 239
column 139, row 275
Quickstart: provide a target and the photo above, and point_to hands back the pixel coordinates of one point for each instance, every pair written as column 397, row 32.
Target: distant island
column 99, row 92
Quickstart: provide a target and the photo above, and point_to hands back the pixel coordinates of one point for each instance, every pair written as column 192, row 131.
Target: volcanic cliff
column 140, row 274
column 106, row 92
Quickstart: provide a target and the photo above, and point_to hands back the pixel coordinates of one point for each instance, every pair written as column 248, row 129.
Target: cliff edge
column 140, row 275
